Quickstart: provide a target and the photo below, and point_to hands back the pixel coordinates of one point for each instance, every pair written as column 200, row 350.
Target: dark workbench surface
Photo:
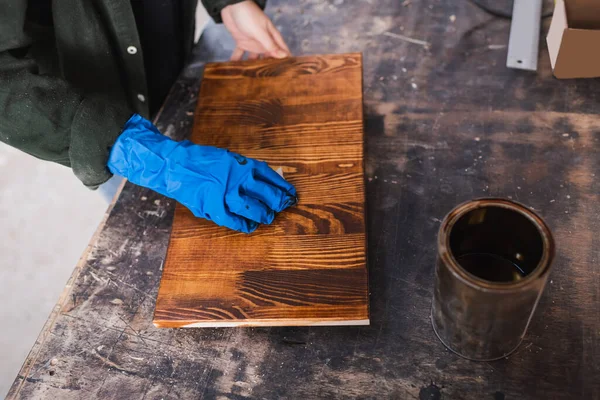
column 445, row 123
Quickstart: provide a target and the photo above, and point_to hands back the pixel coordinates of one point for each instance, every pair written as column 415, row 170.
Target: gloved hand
column 216, row 184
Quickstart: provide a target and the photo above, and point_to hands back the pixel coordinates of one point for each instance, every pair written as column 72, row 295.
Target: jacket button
column 141, row 97
column 132, row 49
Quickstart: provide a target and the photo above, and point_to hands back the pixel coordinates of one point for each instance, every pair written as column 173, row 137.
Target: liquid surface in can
column 491, row 267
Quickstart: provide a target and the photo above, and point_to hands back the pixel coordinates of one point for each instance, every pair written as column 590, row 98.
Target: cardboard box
column 574, row 39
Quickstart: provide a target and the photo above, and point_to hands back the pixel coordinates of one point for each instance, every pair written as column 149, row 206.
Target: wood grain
column 309, row 267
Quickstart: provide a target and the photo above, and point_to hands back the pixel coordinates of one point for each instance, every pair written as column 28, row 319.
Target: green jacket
column 67, row 86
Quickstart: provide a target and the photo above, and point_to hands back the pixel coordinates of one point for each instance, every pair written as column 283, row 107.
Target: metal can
column 494, row 258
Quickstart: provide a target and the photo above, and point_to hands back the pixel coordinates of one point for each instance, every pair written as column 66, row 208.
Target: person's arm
column 47, row 117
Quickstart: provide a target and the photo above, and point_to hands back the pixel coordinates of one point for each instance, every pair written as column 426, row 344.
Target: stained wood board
column 304, row 115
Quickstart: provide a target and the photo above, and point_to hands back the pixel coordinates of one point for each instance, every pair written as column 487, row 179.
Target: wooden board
column 309, row 267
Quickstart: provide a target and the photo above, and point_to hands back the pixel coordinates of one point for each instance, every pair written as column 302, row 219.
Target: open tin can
column 494, row 258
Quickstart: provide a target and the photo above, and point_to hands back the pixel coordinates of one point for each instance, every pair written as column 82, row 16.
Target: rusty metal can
column 494, row 258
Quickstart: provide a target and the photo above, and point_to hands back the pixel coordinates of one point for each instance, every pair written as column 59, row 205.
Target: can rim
column 541, row 270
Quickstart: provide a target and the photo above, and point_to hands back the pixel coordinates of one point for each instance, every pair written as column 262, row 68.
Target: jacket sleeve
column 44, row 115
column 214, row 7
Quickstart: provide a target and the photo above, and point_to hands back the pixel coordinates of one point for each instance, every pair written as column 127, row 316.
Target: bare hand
column 253, row 32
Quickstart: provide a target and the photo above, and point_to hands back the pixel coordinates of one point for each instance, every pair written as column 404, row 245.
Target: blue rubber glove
column 231, row 190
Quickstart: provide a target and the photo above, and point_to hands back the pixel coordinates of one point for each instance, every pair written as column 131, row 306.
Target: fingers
column 250, row 208
column 278, row 39
column 271, row 195
column 223, row 217
column 268, row 42
column 264, row 173
column 237, row 54
column 237, row 223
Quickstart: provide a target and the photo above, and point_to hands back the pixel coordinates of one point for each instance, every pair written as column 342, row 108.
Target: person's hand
column 253, row 32
column 231, row 190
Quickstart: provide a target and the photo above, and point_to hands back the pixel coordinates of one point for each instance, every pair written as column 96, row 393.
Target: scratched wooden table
column 446, row 122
